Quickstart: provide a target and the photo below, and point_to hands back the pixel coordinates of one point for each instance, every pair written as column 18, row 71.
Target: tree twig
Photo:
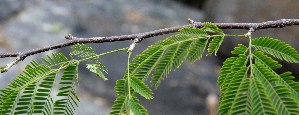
column 73, row 40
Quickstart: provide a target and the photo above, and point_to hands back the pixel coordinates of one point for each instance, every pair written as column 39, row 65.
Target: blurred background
column 191, row 89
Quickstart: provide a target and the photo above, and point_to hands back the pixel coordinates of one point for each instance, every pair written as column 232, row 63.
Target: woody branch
column 74, row 40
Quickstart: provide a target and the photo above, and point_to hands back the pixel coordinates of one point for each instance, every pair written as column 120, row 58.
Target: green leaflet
column 121, row 89
column 43, row 95
column 287, row 80
column 260, row 101
column 37, row 84
column 283, row 105
column 265, row 60
column 216, row 41
column 237, row 64
column 233, row 92
column 26, row 81
column 82, row 50
column 227, row 69
column 68, row 91
column 264, row 92
column 208, row 26
column 276, row 48
column 172, row 59
column 141, row 88
column 168, row 54
column 126, row 102
column 197, row 49
column 96, row 68
column 240, row 50
column 136, row 108
column 215, row 44
column 241, row 102
column 2, row 67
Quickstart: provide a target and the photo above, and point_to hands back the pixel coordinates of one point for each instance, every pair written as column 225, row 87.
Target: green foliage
column 248, row 81
column 160, row 59
column 216, row 42
column 264, row 91
column 97, row 69
column 121, row 99
column 276, row 48
column 260, row 100
column 66, row 105
column 32, row 91
column 141, row 88
column 168, row 54
column 136, row 107
column 82, row 50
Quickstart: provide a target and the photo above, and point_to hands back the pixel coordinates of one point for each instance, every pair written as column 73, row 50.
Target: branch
column 73, row 40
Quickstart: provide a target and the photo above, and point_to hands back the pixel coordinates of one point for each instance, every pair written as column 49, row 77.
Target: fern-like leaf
column 216, row 41
column 215, row 44
column 240, row 50
column 208, row 26
column 82, row 50
column 261, row 104
column 199, row 44
column 136, row 108
column 265, row 60
column 97, row 69
column 168, row 54
column 56, row 59
column 241, row 104
column 46, row 88
column 141, row 88
column 284, row 105
column 9, row 96
column 66, row 105
column 173, row 58
column 229, row 70
column 197, row 49
column 276, row 48
column 37, row 83
column 120, row 101
column 39, row 100
column 194, row 32
column 233, row 92
column 287, row 80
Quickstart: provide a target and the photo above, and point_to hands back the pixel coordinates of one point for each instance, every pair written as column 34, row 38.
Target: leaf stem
column 129, row 75
column 250, row 55
column 129, row 91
